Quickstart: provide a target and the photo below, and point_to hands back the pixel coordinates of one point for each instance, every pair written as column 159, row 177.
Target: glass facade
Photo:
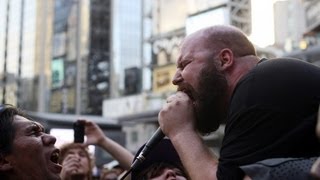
column 17, row 48
column 84, row 53
column 99, row 60
column 126, row 39
column 63, row 79
column 43, row 51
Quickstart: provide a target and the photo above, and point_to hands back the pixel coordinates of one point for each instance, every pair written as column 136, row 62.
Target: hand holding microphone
column 173, row 115
column 177, row 115
column 159, row 135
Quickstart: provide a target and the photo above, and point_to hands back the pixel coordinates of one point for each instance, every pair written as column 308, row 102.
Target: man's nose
column 177, row 77
column 48, row 139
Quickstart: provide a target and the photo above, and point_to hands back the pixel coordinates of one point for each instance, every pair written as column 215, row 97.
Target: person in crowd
column 26, row 151
column 95, row 136
column 162, row 163
column 118, row 169
column 111, row 170
column 109, row 174
column 269, row 106
column 76, row 160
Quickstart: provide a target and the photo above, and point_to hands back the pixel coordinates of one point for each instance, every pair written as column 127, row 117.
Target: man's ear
column 4, row 164
column 226, row 58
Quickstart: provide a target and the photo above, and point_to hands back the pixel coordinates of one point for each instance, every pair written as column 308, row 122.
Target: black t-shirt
column 272, row 114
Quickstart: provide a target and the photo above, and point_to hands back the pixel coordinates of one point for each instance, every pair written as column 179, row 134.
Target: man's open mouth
column 55, row 156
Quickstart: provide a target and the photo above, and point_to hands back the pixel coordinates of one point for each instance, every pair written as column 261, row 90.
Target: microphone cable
column 126, row 174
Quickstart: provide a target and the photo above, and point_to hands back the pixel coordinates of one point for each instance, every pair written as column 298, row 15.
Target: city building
column 289, row 24
column 96, row 54
column 24, row 50
column 309, row 47
column 55, row 58
column 80, row 56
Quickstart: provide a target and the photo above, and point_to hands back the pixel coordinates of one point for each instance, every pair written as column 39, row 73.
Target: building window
column 134, row 136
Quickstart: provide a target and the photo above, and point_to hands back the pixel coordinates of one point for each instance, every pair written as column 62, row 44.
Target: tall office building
column 11, row 18
column 95, row 43
column 81, row 56
column 64, row 57
column 24, row 36
column 289, row 24
column 127, row 46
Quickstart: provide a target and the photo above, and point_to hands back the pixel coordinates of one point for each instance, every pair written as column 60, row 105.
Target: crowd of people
column 269, row 106
column 28, row 152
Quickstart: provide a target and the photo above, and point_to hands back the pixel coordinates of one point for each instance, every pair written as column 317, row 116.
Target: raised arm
column 95, row 136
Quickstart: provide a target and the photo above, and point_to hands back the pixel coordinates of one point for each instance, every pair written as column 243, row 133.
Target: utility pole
column 5, row 54
column 19, row 79
column 78, row 56
column 42, row 60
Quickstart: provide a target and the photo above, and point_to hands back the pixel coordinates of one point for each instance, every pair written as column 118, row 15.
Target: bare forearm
column 118, row 152
column 198, row 160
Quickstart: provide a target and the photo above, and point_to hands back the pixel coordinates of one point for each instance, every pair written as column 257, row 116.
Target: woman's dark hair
column 7, row 130
column 157, row 168
column 162, row 156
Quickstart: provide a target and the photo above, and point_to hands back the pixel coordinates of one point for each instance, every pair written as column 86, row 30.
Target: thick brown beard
column 210, row 105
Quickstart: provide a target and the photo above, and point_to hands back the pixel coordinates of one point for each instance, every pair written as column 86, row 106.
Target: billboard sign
column 57, row 67
column 162, row 79
column 214, row 16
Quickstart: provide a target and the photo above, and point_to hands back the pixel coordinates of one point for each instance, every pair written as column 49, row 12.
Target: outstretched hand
column 95, row 136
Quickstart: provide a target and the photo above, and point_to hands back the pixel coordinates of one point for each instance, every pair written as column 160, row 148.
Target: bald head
column 219, row 37
column 224, row 47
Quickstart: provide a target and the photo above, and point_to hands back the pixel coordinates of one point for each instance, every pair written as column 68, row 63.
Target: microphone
column 151, row 143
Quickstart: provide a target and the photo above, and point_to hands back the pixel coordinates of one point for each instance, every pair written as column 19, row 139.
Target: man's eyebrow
column 38, row 125
column 183, row 59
